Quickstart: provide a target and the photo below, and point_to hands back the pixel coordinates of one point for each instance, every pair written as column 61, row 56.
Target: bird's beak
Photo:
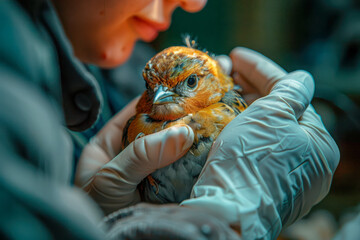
column 163, row 96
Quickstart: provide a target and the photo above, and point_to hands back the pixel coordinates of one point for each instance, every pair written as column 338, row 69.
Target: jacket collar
column 81, row 95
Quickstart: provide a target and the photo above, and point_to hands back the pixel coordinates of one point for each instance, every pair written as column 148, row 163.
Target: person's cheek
column 193, row 5
column 115, row 48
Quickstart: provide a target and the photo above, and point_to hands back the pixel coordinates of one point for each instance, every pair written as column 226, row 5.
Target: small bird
column 184, row 86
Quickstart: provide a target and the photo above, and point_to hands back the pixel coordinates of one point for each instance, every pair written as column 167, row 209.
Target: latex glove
column 275, row 160
column 169, row 221
column 111, row 178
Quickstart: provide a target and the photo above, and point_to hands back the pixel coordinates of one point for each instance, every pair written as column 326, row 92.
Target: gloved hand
column 169, row 221
column 111, row 178
column 275, row 160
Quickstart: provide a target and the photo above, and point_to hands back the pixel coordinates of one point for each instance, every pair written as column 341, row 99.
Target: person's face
column 103, row 32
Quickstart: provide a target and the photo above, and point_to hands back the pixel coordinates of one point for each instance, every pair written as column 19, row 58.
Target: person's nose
column 192, row 5
column 154, row 11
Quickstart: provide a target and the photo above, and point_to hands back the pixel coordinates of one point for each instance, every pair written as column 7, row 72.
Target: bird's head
column 180, row 81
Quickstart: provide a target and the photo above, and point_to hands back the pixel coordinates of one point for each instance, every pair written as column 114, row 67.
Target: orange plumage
column 184, row 86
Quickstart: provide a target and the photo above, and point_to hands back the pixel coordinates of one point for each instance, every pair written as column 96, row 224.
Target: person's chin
column 112, row 62
column 112, row 58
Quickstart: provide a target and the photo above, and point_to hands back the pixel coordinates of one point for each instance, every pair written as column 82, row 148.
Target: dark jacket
column 39, row 77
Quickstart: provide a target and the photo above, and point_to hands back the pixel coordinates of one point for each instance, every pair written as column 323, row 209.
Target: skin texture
column 104, row 32
column 207, row 104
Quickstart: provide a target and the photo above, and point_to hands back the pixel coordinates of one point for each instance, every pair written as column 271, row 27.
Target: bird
column 184, row 85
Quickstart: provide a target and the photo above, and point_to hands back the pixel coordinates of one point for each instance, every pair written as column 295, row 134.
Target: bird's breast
column 170, row 111
column 174, row 182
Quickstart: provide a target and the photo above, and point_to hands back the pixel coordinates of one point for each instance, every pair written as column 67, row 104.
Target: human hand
column 110, row 177
column 169, row 221
column 261, row 82
column 275, row 160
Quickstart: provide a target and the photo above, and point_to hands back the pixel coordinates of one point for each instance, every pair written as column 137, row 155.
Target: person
column 267, row 168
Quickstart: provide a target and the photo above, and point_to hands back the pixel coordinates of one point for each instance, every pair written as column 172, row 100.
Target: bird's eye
column 192, row 81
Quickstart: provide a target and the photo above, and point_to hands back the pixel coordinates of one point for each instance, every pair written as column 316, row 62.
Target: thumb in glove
column 112, row 181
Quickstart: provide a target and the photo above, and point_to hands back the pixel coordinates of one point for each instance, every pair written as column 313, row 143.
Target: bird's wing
column 235, row 101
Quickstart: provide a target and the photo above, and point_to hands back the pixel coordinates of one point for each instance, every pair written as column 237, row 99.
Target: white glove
column 275, row 160
column 111, row 178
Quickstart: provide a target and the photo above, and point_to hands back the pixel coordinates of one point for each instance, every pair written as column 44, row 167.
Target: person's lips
column 147, row 30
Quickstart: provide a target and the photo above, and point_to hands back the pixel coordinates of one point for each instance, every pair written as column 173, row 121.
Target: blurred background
column 320, row 36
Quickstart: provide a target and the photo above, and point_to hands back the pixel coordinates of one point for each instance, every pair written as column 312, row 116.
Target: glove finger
column 293, row 92
column 114, row 186
column 110, row 136
column 315, row 168
column 246, row 87
column 248, row 92
column 104, row 146
column 162, row 148
column 225, row 63
column 255, row 69
column 322, row 141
